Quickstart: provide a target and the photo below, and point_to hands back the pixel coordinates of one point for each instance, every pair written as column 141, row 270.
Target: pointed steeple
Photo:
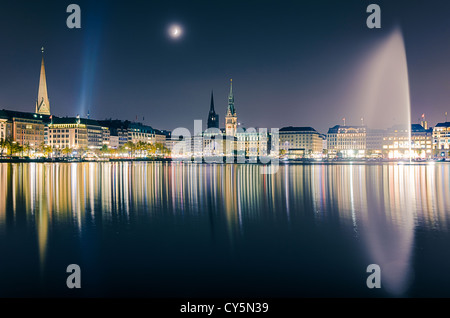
column 42, row 104
column 231, row 117
column 211, row 108
column 231, row 109
column 213, row 118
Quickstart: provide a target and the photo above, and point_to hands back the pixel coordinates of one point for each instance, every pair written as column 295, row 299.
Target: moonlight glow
column 175, row 31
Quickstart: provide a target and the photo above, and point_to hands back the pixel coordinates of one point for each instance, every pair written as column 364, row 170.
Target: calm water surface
column 186, row 230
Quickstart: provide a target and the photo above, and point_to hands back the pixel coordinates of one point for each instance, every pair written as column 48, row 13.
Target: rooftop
column 335, row 129
column 446, row 124
column 9, row 114
column 297, row 129
column 74, row 120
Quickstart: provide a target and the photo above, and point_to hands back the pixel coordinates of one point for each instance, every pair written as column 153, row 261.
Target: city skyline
column 42, row 107
column 275, row 65
column 231, row 156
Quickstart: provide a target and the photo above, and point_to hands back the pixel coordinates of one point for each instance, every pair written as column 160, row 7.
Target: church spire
column 213, row 118
column 231, row 109
column 211, row 108
column 231, row 117
column 42, row 104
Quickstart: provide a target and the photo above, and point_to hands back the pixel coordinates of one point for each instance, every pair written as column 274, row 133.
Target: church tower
column 213, row 118
column 231, row 117
column 42, row 103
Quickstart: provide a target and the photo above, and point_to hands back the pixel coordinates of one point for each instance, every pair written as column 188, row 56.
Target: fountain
column 381, row 89
column 383, row 93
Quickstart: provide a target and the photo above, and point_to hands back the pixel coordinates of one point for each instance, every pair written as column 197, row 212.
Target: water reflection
column 382, row 204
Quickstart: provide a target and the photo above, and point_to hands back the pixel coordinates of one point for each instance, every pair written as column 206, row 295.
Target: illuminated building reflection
column 382, row 204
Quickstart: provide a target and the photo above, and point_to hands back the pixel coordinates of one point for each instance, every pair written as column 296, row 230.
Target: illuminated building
column 181, row 146
column 215, row 141
column 374, row 142
column 300, row 142
column 24, row 128
column 5, row 126
column 251, row 142
column 113, row 142
column 212, row 145
column 396, row 143
column 441, row 139
column 347, row 141
column 106, row 136
column 123, row 131
column 118, row 131
column 77, row 133
column 138, row 132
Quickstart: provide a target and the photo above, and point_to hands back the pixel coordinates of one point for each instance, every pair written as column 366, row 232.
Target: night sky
column 292, row 62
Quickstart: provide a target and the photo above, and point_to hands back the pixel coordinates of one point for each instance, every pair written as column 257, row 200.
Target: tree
column 141, row 146
column 45, row 149
column 27, row 148
column 151, row 148
column 2, row 146
column 161, row 149
column 82, row 150
column 12, row 147
column 66, row 151
column 113, row 151
column 122, row 149
column 104, row 150
column 130, row 147
column 6, row 144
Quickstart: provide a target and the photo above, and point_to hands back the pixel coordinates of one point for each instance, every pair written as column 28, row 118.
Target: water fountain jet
column 381, row 91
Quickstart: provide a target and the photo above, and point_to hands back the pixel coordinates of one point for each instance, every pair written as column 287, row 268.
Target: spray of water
column 386, row 104
column 381, row 90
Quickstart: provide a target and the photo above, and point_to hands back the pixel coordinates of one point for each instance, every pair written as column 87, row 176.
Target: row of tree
column 143, row 148
column 9, row 147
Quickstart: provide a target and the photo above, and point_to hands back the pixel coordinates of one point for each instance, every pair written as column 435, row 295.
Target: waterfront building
column 106, row 137
column 181, row 147
column 422, row 140
column 118, row 131
column 212, row 143
column 125, row 131
column 5, row 126
column 251, row 142
column 26, row 129
column 42, row 103
column 347, row 141
column 374, row 142
column 324, row 143
column 441, row 139
column 138, row 132
column 113, row 142
column 397, row 145
column 76, row 133
column 301, row 142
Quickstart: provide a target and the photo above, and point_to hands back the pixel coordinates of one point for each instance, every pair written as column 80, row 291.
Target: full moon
column 175, row 31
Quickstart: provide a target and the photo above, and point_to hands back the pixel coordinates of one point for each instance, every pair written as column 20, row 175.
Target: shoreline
column 280, row 162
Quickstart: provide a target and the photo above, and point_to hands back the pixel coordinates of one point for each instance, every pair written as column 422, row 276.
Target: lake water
column 153, row 229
